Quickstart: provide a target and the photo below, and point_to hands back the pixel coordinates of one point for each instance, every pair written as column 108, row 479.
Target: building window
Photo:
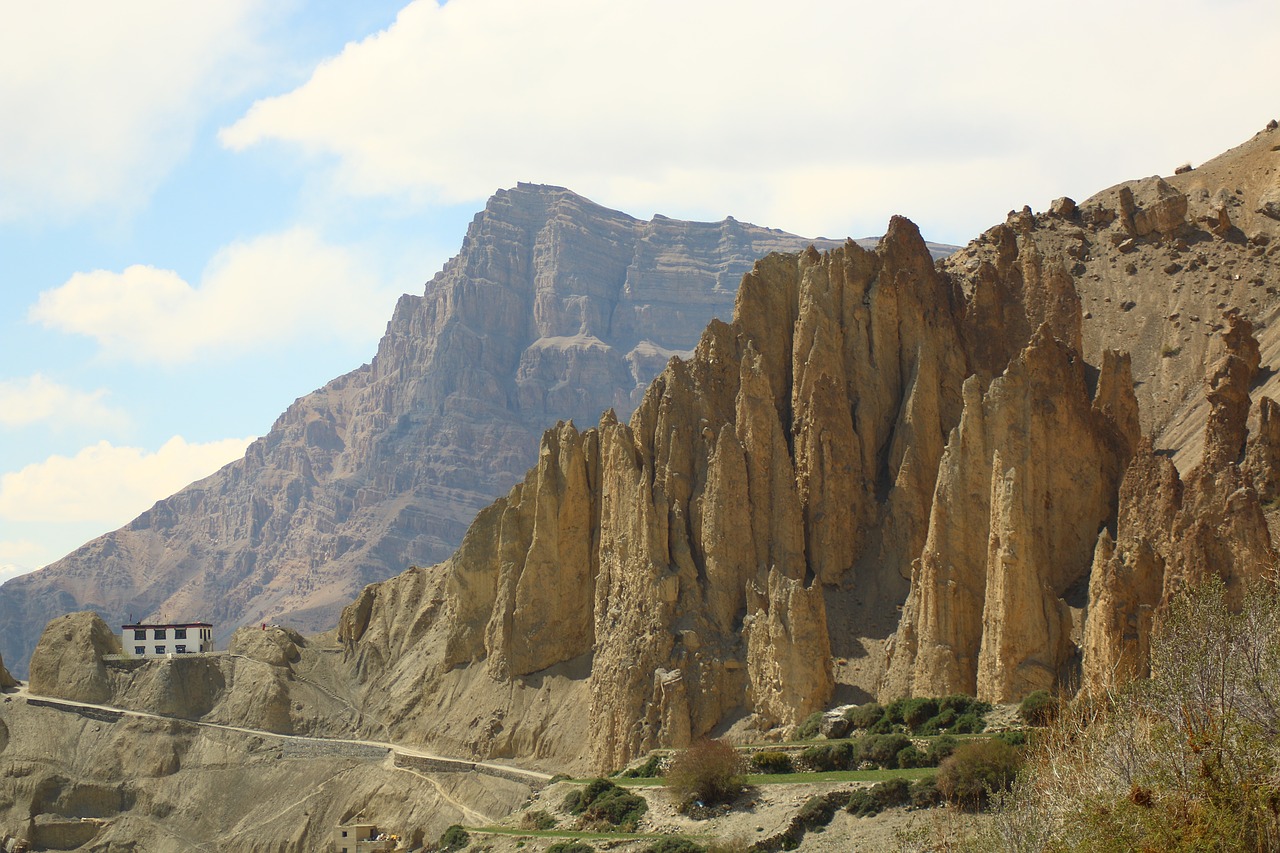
column 139, row 633
column 139, row 650
column 159, row 650
column 179, row 633
column 160, row 633
column 182, row 650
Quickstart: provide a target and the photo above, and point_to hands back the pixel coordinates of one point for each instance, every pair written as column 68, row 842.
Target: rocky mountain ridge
column 1028, row 448
column 869, row 432
column 555, row 307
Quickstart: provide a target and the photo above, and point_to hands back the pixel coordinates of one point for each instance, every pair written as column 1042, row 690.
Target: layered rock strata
column 870, row 432
column 687, row 560
column 554, row 308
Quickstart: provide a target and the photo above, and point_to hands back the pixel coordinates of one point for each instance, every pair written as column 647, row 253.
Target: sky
column 208, row 210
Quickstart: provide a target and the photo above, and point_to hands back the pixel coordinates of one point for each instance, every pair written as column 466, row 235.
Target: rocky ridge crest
column 554, row 308
column 870, row 431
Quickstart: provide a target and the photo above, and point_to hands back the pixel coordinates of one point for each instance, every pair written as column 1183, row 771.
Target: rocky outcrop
column 555, row 308
column 67, row 663
column 1028, row 478
column 685, row 560
column 1171, row 534
column 6, row 680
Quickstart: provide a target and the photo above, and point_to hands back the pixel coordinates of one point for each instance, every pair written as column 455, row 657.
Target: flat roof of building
column 168, row 625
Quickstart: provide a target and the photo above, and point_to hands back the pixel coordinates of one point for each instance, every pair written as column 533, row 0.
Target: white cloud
column 108, row 485
column 38, row 399
column 716, row 105
column 17, row 557
column 100, row 100
column 260, row 294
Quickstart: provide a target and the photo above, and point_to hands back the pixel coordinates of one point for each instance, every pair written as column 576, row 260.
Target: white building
column 169, row 639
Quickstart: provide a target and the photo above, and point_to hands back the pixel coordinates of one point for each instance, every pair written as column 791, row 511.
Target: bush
column 673, row 844
column 810, row 728
column 817, row 811
column 604, row 802
column 824, row 757
column 649, row 770
column 941, row 748
column 939, row 723
column 977, row 770
column 865, row 716
column 883, row 727
column 571, row 847
column 1038, row 708
column 917, row 712
column 868, row 802
column 1184, row 760
column 924, row 793
column 772, row 761
column 909, row 757
column 893, row 711
column 537, row 820
column 707, row 772
column 1015, row 737
column 882, row 750
column 968, row 723
column 454, row 838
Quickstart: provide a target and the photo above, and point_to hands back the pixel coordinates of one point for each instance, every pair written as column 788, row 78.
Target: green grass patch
column 839, row 776
column 800, row 778
column 563, row 833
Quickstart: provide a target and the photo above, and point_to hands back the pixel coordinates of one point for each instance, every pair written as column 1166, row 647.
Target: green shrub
column 604, row 802
column 1038, row 708
column 968, row 723
column 893, row 711
column 817, row 811
column 882, row 750
column 940, row 749
column 1015, row 737
column 772, row 761
column 977, row 770
column 940, row 722
column 865, row 716
column 707, row 772
column 883, row 727
column 909, row 756
column 649, row 770
column 957, row 702
column 674, row 844
column 833, row 756
column 537, row 820
column 917, row 712
column 810, row 728
column 924, row 793
column 868, row 802
column 454, row 838
column 571, row 847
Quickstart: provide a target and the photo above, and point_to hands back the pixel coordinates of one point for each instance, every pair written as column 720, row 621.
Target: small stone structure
column 362, row 838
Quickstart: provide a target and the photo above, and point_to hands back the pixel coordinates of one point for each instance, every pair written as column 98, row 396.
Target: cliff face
column 677, row 569
column 964, row 442
column 554, row 308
